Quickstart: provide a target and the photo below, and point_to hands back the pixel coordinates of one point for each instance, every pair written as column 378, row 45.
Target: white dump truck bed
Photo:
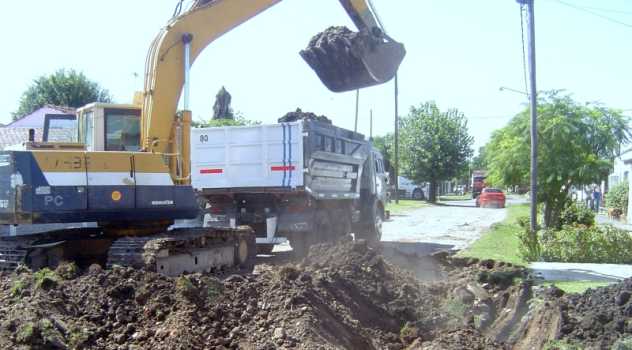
column 247, row 156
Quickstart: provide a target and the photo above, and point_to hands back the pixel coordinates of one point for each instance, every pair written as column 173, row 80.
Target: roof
column 36, row 118
column 15, row 136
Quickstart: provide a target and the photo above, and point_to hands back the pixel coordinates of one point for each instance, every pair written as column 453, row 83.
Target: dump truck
column 478, row 182
column 306, row 181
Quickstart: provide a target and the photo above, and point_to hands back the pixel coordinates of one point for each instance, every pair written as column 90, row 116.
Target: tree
column 67, row 88
column 435, row 145
column 221, row 107
column 577, row 144
column 237, row 120
column 479, row 162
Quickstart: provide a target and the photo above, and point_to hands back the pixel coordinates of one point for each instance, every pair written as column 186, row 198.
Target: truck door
column 111, row 183
column 381, row 179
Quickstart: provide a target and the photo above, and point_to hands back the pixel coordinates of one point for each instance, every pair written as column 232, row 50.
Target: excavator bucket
column 346, row 60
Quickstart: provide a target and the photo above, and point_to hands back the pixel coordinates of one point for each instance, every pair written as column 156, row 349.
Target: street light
column 503, row 88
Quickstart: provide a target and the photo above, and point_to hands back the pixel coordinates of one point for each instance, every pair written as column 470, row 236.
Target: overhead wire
column 601, row 9
column 594, row 13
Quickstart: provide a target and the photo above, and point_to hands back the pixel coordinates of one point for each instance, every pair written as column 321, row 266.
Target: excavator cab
column 109, row 127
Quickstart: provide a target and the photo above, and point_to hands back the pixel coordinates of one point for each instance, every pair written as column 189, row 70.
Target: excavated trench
column 343, row 296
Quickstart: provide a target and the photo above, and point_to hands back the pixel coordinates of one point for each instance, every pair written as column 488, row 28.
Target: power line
column 621, row 12
column 587, row 10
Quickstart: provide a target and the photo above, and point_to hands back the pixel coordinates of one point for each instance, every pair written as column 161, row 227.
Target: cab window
column 122, row 130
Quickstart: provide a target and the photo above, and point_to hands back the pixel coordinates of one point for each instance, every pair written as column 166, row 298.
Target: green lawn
column 404, row 206
column 501, row 241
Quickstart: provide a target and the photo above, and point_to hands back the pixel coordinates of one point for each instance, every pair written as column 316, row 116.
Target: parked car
column 491, row 198
column 409, row 189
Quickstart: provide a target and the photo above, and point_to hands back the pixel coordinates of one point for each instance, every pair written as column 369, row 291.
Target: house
column 623, row 172
column 622, row 168
column 53, row 123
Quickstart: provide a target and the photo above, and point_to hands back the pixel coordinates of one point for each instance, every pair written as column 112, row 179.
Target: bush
column 575, row 214
column 529, row 247
column 597, row 244
column 617, row 197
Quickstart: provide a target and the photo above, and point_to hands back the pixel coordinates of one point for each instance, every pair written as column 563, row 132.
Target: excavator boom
column 344, row 63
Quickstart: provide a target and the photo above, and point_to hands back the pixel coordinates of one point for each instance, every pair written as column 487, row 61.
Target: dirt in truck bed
column 343, row 296
column 300, row 115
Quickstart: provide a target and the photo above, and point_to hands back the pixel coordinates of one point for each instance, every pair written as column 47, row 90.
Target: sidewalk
column 603, row 219
column 552, row 271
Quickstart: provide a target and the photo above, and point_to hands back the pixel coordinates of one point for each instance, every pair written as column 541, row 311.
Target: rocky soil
column 598, row 317
column 344, row 296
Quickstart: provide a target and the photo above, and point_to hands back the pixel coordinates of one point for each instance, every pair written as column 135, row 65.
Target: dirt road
column 453, row 225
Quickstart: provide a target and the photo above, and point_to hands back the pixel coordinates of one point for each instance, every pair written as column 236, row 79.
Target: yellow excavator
column 113, row 197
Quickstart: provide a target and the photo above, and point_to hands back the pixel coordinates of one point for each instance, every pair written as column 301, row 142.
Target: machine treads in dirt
column 180, row 250
column 11, row 255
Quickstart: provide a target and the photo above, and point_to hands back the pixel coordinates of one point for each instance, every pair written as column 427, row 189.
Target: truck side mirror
column 388, row 178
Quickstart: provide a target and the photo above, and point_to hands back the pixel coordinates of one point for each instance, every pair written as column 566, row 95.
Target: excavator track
column 12, row 254
column 186, row 250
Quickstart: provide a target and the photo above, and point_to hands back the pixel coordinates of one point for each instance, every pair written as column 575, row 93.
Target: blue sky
column 459, row 53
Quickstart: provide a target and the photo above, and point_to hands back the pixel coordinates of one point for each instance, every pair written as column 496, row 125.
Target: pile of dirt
column 343, row 296
column 598, row 317
column 300, row 115
column 334, row 55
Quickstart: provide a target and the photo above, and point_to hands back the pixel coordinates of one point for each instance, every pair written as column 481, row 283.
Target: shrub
column 597, row 244
column 45, row 279
column 575, row 214
column 617, row 197
column 529, row 247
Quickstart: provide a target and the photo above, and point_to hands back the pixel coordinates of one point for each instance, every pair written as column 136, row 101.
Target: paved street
column 454, row 224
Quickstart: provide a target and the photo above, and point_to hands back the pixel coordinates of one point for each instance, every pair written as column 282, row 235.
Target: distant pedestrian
column 588, row 196
column 597, row 198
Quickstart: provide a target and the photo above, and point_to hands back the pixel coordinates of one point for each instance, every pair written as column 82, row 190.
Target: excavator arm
column 200, row 25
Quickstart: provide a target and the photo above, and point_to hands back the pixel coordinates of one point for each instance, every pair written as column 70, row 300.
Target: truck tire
column 246, row 253
column 418, row 194
column 373, row 225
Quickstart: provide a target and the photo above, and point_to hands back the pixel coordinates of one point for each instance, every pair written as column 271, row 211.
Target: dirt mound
column 102, row 309
column 344, row 296
column 598, row 317
column 300, row 115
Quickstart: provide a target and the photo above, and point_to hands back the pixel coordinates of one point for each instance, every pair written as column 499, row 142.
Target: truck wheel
column 373, row 231
column 418, row 194
column 246, row 252
column 265, row 248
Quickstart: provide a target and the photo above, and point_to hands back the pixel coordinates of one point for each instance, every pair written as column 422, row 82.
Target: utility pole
column 396, row 167
column 355, row 128
column 371, row 125
column 534, row 113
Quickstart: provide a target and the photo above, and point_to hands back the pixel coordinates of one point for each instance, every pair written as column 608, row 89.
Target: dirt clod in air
column 334, row 54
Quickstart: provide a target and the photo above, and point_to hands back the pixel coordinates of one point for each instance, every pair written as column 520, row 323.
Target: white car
column 408, row 189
